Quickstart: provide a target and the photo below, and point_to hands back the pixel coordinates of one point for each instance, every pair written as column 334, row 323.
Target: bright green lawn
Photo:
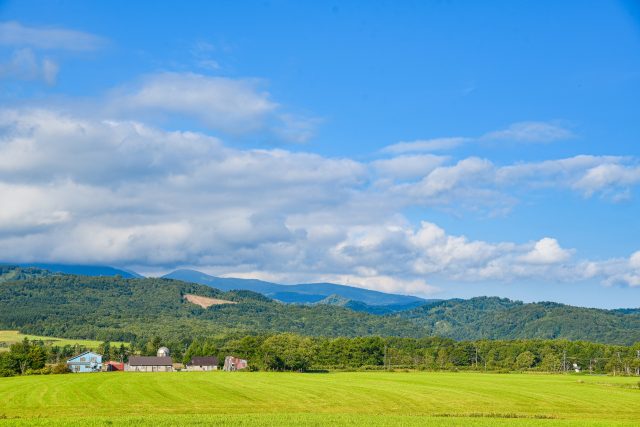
column 363, row 398
column 10, row 337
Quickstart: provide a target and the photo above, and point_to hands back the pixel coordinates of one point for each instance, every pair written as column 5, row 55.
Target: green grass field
column 362, row 398
column 9, row 337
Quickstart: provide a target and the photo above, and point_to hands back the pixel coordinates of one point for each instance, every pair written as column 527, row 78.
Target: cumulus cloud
column 88, row 190
column 15, row 34
column 608, row 175
column 546, row 251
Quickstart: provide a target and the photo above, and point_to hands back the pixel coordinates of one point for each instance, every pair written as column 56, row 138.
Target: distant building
column 163, row 352
column 149, row 364
column 112, row 366
column 232, row 363
column 85, row 362
column 207, row 363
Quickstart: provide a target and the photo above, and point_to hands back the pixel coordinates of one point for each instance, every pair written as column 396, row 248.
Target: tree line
column 293, row 352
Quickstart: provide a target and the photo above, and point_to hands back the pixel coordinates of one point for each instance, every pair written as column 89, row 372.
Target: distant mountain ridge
column 80, row 269
column 307, row 293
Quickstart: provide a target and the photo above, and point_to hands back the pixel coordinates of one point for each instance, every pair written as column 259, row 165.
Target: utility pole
column 638, row 367
column 564, row 360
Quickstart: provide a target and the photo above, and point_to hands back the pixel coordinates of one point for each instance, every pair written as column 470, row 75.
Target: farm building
column 149, row 364
column 112, row 366
column 85, row 362
column 232, row 363
column 208, row 363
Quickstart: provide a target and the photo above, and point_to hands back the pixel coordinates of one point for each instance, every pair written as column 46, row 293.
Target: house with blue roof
column 85, row 362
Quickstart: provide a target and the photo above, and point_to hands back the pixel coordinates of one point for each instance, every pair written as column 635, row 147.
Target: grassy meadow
column 371, row 398
column 9, row 337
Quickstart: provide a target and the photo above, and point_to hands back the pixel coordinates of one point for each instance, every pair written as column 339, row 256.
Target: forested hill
column 85, row 270
column 117, row 308
column 499, row 318
column 10, row 272
column 122, row 309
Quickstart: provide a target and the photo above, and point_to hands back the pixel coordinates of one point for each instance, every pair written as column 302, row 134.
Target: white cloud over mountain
column 81, row 188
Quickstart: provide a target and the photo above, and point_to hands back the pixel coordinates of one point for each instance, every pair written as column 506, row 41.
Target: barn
column 85, row 362
column 112, row 366
column 149, row 364
column 206, row 363
column 232, row 363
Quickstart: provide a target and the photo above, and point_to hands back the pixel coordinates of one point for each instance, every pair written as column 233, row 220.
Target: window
column 83, row 359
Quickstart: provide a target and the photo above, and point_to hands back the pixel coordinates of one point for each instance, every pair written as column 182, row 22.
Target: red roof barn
column 115, row 366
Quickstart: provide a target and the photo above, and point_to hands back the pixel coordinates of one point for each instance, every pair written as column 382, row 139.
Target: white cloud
column 81, row 189
column 516, row 132
column 530, row 132
column 15, row 34
column 50, row 71
column 25, row 65
column 408, row 167
column 546, row 251
column 236, row 106
column 634, row 261
column 469, row 171
column 610, row 176
column 427, row 145
column 607, row 175
column 216, row 101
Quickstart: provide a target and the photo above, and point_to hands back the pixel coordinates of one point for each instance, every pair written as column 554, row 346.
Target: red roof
column 116, row 366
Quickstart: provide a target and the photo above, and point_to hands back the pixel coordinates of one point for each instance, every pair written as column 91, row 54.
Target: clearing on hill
column 206, row 302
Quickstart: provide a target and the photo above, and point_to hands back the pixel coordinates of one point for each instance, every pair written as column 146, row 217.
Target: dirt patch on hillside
column 206, row 302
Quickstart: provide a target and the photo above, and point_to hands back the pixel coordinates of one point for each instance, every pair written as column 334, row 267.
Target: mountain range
column 113, row 307
column 357, row 299
column 308, row 293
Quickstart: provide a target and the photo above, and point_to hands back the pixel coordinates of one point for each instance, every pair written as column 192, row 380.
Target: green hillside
column 499, row 318
column 120, row 309
column 123, row 309
column 10, row 272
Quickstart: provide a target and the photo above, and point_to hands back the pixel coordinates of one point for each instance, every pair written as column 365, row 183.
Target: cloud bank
column 83, row 189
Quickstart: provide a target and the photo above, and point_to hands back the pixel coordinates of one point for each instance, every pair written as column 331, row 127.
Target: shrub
column 60, row 368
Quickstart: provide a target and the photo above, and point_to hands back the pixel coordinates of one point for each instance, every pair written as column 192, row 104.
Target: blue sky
column 445, row 149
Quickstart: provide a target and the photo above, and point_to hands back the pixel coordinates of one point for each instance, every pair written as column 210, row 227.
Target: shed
column 203, row 363
column 85, row 362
